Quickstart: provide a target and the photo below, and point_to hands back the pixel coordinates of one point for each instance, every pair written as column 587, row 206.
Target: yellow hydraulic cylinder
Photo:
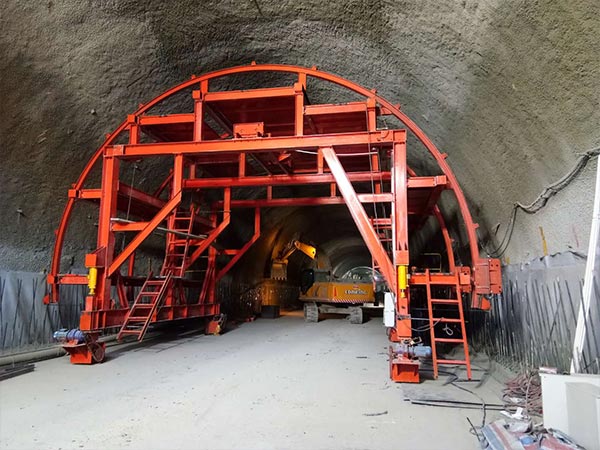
column 402, row 280
column 92, row 279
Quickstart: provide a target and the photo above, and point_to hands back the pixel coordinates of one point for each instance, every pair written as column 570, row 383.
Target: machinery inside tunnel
column 422, row 169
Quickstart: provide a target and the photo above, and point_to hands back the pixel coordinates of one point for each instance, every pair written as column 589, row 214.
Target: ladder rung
column 155, row 283
column 445, row 320
column 380, row 221
column 450, row 340
column 130, row 331
column 445, row 300
column 452, row 361
column 149, row 293
column 138, row 318
column 142, row 305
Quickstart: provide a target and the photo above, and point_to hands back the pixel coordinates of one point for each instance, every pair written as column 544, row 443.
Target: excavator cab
column 308, row 277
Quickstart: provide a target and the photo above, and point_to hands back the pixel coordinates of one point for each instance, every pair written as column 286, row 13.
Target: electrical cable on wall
column 542, row 199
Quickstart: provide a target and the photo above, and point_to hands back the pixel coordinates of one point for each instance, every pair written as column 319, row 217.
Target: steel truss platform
column 268, row 137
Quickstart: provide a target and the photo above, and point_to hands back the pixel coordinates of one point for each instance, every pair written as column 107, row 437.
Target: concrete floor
column 270, row 384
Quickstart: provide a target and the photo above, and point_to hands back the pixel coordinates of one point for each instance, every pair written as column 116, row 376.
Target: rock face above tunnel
column 509, row 89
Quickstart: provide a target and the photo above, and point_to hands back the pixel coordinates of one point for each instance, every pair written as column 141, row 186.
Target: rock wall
column 509, row 89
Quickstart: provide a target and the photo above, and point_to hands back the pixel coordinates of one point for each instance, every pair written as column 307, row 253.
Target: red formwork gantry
column 267, row 137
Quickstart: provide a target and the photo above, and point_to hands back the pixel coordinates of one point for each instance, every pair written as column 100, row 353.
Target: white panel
column 571, row 405
column 389, row 310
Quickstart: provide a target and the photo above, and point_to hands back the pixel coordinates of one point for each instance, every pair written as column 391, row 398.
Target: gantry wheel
column 311, row 312
column 98, row 351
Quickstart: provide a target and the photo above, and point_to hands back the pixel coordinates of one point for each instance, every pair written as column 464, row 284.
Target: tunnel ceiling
column 509, row 89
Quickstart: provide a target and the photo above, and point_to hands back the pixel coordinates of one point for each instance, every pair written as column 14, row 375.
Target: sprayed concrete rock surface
column 509, row 89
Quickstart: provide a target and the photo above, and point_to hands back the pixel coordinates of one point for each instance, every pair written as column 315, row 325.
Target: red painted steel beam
column 385, row 107
column 217, row 96
column 152, row 201
column 239, row 253
column 360, row 218
column 142, row 235
column 71, row 278
column 326, row 178
column 281, row 180
column 140, row 196
column 124, row 227
column 306, row 201
column 86, row 194
column 400, row 184
column 343, row 108
column 166, row 120
column 106, row 238
column 375, row 138
column 435, row 278
column 214, row 234
column 442, row 223
column 107, row 318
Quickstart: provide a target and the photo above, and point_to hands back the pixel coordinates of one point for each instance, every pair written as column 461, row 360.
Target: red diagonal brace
column 239, row 253
column 360, row 217
column 142, row 235
column 216, row 232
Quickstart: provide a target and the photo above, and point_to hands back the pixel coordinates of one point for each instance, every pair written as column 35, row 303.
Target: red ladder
column 435, row 318
column 148, row 300
column 177, row 247
column 383, row 228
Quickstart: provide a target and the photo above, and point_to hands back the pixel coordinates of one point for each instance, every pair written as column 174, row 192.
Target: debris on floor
column 519, row 435
column 516, row 431
column 383, row 413
column 523, row 395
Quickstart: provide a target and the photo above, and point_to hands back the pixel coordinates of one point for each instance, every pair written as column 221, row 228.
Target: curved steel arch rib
column 342, row 157
column 440, row 158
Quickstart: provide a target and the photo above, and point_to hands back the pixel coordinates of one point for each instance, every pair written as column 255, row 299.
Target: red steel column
column 400, row 230
column 299, row 109
column 106, row 238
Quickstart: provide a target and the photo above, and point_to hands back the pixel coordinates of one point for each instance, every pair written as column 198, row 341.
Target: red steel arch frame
column 483, row 277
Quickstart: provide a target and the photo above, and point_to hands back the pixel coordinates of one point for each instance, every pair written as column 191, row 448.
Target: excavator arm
column 279, row 265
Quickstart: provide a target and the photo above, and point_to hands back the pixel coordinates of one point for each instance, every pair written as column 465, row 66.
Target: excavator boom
column 279, row 265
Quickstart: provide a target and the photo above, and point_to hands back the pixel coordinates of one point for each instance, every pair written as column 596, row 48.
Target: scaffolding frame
column 267, row 137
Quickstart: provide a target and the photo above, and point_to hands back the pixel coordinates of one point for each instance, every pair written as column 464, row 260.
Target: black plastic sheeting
column 25, row 322
column 533, row 322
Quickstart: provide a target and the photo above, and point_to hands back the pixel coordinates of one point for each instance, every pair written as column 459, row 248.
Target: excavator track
column 311, row 312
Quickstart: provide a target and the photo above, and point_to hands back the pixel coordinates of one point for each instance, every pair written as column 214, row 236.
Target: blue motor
column 413, row 351
column 65, row 335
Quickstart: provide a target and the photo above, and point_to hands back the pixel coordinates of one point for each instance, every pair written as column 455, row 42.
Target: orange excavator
column 279, row 264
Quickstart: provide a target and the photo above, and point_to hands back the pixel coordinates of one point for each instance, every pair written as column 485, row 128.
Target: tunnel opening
column 242, row 173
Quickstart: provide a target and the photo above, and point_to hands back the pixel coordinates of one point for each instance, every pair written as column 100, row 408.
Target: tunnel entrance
column 229, row 144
